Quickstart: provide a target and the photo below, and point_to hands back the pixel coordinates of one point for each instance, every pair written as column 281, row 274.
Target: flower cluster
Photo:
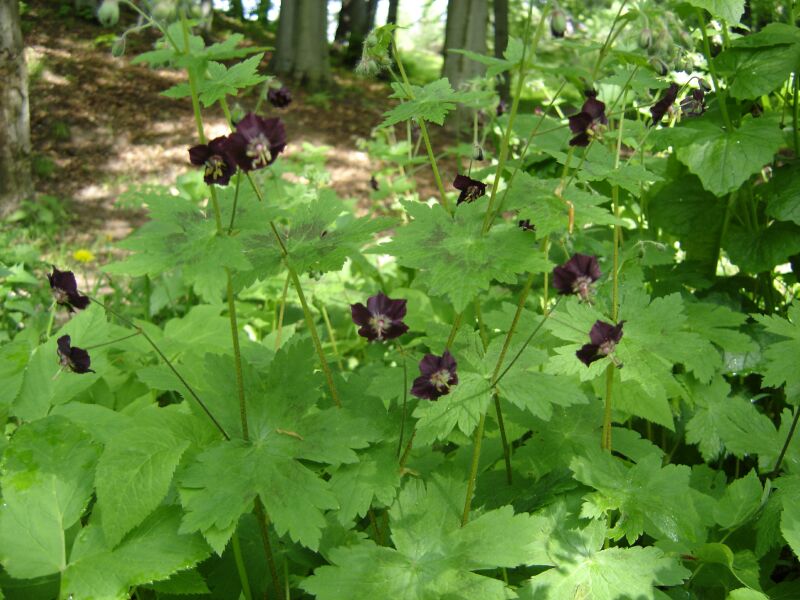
column 64, row 288
column 588, row 123
column 255, row 144
column 382, row 319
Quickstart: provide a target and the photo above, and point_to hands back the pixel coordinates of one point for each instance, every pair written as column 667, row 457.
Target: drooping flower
column 381, row 319
column 604, row 338
column 373, row 183
column 501, row 108
column 526, row 225
column 470, row 188
column 65, row 290
column 660, row 108
column 216, row 158
column 587, row 123
column 71, row 357
column 279, row 97
column 577, row 275
column 694, row 104
column 257, row 141
column 437, row 376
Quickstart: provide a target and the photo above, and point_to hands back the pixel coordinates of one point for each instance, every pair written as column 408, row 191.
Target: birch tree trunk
column 15, row 140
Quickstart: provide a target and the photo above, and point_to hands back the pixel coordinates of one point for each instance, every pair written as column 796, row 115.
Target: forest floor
column 99, row 124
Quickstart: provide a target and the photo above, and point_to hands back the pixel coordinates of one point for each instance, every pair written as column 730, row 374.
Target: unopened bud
column 558, row 23
column 659, row 66
column 645, row 39
column 477, row 152
column 108, row 13
column 118, row 47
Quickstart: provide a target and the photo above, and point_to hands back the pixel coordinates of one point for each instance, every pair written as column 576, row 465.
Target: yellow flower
column 83, row 255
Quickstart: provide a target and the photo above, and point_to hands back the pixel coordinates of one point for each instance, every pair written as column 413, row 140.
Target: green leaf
column 790, row 518
column 431, row 102
column 133, row 477
column 755, row 72
column 153, row 551
column 374, row 476
column 782, row 194
column 762, row 250
column 223, row 81
column 583, row 570
column 741, row 501
column 433, row 556
column 729, row 10
column 719, row 324
column 724, row 160
column 651, row 499
column 746, row 594
column 48, row 472
column 780, row 367
column 455, row 259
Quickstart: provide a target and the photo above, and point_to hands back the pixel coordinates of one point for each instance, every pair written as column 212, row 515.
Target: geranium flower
column 694, row 104
column 660, row 108
column 65, row 290
column 526, row 225
column 257, row 142
column 279, row 97
column 71, row 357
column 437, row 376
column 501, row 108
column 587, row 123
column 470, row 188
column 216, row 158
column 577, row 275
column 373, row 183
column 604, row 338
column 381, row 319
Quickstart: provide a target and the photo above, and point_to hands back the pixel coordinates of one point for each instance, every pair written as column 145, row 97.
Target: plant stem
column 240, row 567
column 405, row 398
column 126, row 337
column 50, row 320
column 722, row 96
column 235, row 201
column 607, row 43
column 331, row 335
column 261, row 515
column 473, row 470
column 237, row 355
column 309, row 318
column 281, row 313
column 792, row 428
column 796, row 114
column 454, row 330
column 169, row 364
column 422, row 127
column 407, row 451
column 501, row 161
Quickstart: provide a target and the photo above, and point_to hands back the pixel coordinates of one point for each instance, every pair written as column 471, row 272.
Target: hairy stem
column 261, row 515
column 326, row 319
column 473, row 469
column 240, row 566
column 281, row 313
column 405, row 398
column 785, row 447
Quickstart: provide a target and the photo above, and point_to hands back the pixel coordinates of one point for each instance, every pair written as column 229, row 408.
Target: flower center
column 582, row 286
column 473, row 192
column 380, row 324
column 440, row 379
column 258, row 150
column 215, row 167
column 60, row 296
column 607, row 347
column 64, row 360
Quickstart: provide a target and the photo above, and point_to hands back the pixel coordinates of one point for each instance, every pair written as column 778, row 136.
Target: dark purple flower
column 577, row 275
column 587, row 123
column 694, row 104
column 526, row 225
column 65, row 290
column 470, row 188
column 660, row 108
column 501, row 107
column 437, row 376
column 257, row 142
column 71, row 357
column 604, row 338
column 279, row 97
column 381, row 319
column 373, row 183
column 217, row 159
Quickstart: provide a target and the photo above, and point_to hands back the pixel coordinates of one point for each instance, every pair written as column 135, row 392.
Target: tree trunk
column 500, row 44
column 391, row 16
column 343, row 25
column 15, row 139
column 371, row 12
column 465, row 29
column 301, row 50
column 236, row 10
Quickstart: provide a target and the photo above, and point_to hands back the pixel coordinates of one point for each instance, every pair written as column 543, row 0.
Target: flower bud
column 663, row 42
column 118, row 47
column 645, row 39
column 658, row 65
column 108, row 13
column 558, row 23
column 477, row 152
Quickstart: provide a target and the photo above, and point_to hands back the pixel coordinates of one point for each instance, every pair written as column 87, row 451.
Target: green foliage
column 431, row 102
